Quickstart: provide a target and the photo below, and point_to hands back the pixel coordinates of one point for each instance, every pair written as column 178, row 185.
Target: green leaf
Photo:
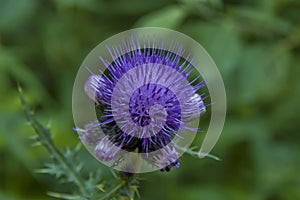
column 63, row 166
column 168, row 17
column 64, row 196
column 221, row 40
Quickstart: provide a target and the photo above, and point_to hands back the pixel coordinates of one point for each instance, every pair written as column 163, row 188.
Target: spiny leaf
column 197, row 153
column 65, row 166
column 109, row 194
column 65, row 196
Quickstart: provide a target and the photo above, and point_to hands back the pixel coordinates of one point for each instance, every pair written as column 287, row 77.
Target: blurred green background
column 255, row 44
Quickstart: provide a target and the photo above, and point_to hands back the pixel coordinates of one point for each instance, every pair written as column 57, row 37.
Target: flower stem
column 114, row 190
column 44, row 137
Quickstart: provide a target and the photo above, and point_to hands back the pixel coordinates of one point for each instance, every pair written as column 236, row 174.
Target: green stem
column 46, row 140
column 114, row 190
column 76, row 177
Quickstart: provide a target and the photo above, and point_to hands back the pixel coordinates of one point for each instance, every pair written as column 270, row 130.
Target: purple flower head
column 144, row 98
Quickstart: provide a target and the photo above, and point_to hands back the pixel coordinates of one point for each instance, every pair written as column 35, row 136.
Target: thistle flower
column 146, row 98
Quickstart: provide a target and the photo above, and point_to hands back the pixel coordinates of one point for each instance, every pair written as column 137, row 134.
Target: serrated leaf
column 63, row 168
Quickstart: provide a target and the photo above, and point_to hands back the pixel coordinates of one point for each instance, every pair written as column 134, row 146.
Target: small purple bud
column 106, row 150
column 91, row 134
column 165, row 159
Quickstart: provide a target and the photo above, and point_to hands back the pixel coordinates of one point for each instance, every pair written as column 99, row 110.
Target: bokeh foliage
column 255, row 43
